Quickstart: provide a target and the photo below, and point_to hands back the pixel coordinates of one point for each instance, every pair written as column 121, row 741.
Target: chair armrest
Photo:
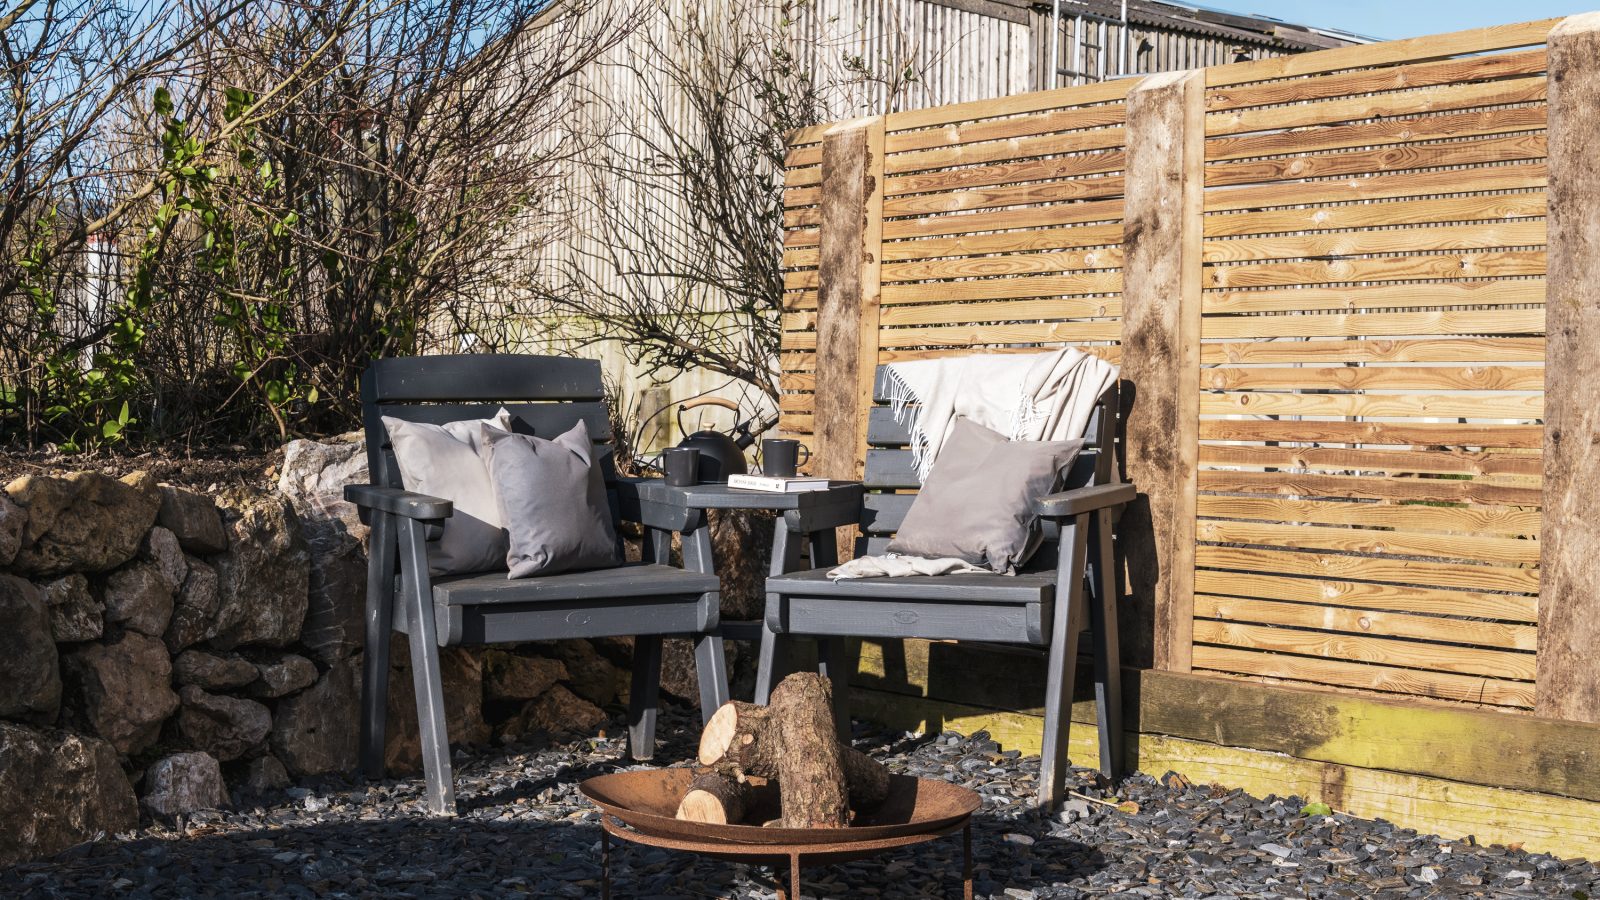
column 1084, row 499
column 397, row 502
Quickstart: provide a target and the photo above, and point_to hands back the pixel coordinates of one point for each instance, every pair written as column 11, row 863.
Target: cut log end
column 715, row 799
column 718, row 734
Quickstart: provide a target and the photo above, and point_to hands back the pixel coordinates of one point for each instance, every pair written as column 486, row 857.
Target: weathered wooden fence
column 1325, row 277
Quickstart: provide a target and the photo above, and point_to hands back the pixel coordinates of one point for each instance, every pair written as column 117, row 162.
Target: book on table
column 778, row 484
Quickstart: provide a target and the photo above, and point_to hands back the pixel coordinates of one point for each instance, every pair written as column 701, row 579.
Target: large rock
column 265, row 774
column 680, row 673
column 122, row 688
column 312, row 479
column 139, row 597
column 336, row 605
column 316, row 730
column 193, row 519
column 223, row 726
column 592, row 676
column 75, row 613
column 213, row 672
column 284, row 675
column 507, row 676
column 58, row 790
column 462, row 672
column 85, row 522
column 558, row 711
column 161, row 549
column 263, row 578
column 13, row 522
column 194, row 611
column 183, row 783
column 30, row 674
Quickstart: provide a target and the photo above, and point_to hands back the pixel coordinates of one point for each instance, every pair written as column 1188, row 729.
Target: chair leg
column 766, row 664
column 427, row 677
column 1107, row 657
column 375, row 659
column 1064, row 630
column 643, row 696
column 711, row 667
column 835, row 662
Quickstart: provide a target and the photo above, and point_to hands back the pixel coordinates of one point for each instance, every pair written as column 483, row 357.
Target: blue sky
column 1405, row 18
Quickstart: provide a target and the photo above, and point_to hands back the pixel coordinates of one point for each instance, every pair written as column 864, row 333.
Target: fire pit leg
column 605, row 862
column 966, row 862
column 794, row 876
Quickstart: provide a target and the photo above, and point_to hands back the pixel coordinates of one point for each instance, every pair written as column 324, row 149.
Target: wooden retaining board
column 1446, row 768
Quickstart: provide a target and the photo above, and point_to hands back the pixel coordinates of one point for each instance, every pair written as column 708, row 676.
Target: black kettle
column 721, row 454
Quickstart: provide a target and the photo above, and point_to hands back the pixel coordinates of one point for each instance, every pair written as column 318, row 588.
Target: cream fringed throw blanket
column 1039, row 397
column 1027, row 397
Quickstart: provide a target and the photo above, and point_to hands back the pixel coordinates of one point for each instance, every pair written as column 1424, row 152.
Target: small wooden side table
column 808, row 518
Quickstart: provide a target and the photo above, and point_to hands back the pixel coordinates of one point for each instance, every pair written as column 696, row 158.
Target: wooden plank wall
column 1372, row 348
column 1002, row 226
column 1371, row 360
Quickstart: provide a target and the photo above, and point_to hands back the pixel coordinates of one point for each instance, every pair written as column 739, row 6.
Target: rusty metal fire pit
column 640, row 807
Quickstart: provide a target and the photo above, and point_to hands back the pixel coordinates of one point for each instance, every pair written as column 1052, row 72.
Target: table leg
column 794, row 875
column 771, row 665
column 710, row 663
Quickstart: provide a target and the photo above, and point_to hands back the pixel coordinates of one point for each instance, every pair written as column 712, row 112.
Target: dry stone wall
column 167, row 649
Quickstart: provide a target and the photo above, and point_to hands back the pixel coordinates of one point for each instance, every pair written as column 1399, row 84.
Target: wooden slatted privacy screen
column 1340, row 342
column 1372, row 368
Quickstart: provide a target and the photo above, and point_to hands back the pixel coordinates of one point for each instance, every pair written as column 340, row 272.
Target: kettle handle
column 723, row 402
column 703, row 401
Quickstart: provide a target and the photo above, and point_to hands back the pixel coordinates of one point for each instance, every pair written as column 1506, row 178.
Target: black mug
column 681, row 466
column 782, row 456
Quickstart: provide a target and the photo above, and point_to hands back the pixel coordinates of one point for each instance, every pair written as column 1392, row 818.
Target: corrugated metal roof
column 1210, row 21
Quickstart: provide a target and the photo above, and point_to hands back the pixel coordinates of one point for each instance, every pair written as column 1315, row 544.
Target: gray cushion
column 552, row 497
column 443, row 461
column 977, row 503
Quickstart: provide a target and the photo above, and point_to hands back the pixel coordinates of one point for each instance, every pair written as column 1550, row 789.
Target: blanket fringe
column 903, row 405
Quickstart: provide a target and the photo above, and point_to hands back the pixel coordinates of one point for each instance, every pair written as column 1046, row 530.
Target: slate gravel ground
column 524, row 830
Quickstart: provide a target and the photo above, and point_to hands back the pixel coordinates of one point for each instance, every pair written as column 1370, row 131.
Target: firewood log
column 867, row 778
column 758, row 795
column 735, row 736
column 811, row 784
column 736, row 740
column 715, row 798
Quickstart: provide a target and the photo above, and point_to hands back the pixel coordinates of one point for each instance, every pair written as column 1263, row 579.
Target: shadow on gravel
column 414, row 856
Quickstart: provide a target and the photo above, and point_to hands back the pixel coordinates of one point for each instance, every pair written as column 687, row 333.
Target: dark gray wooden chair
column 647, row 600
column 1070, row 583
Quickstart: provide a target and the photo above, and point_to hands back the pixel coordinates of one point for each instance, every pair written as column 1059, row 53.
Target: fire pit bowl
column 646, row 801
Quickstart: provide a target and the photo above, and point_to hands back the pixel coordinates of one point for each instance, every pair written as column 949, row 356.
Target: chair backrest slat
column 891, row 479
column 482, row 378
column 546, row 394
